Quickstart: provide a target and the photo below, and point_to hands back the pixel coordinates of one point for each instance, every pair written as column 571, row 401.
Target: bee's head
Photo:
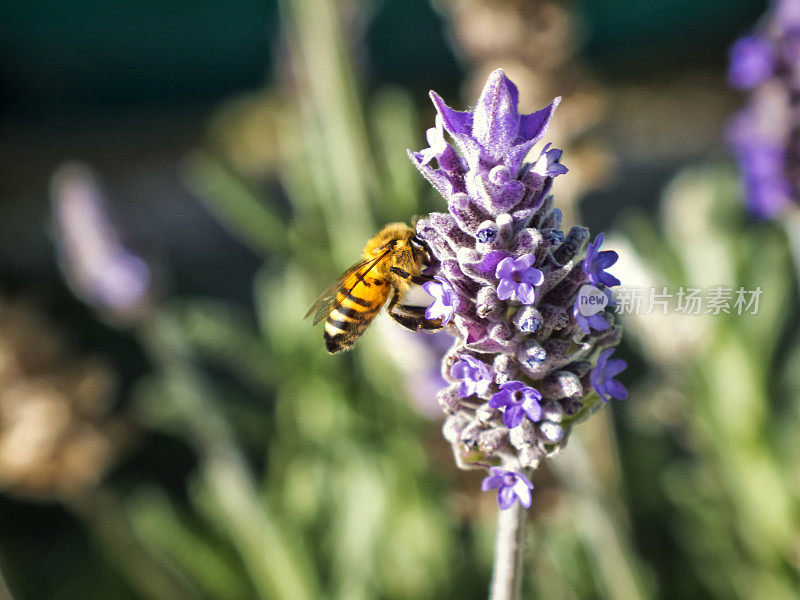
column 420, row 250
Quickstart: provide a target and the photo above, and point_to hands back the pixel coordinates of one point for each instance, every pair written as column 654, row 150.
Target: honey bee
column 393, row 261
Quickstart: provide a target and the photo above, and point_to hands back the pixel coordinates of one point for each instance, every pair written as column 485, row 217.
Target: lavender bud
column 493, row 440
column 449, row 399
column 532, row 357
column 550, row 433
column 552, row 411
column 555, row 237
column 454, row 425
column 527, row 320
column 505, row 369
column 486, row 414
column 523, row 435
column 488, row 305
column 487, row 232
column 529, row 457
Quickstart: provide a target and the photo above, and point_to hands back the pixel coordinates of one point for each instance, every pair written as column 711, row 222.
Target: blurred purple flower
column 510, row 485
column 596, row 262
column 98, row 267
column 752, row 62
column 602, row 377
column 518, row 400
column 474, row 374
column 444, row 299
column 518, row 276
column 764, row 136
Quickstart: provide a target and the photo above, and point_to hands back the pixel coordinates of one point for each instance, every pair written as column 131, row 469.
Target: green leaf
column 247, row 217
column 167, row 532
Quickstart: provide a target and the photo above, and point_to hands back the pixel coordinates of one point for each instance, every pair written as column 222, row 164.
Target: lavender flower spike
column 98, row 267
column 518, row 367
column 510, row 486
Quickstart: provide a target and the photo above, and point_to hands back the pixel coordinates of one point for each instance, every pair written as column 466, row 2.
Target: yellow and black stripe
column 357, row 303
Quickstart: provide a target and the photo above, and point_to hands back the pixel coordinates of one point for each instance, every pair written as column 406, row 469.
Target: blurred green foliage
column 726, row 475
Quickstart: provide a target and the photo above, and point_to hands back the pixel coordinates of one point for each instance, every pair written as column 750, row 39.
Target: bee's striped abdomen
column 354, row 312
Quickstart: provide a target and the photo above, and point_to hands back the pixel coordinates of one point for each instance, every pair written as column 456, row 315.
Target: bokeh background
column 197, row 442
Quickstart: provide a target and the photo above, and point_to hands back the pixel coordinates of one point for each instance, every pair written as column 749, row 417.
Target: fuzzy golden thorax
column 404, row 254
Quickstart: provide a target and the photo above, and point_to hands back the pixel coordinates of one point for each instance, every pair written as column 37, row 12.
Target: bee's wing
column 327, row 302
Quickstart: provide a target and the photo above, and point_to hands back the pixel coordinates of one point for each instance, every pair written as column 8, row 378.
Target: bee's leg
column 404, row 320
column 412, row 317
column 415, row 279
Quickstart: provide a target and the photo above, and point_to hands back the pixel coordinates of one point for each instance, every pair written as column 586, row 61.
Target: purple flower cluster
column 507, row 281
column 765, row 134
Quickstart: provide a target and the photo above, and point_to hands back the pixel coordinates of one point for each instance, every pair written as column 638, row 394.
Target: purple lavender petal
column 456, row 122
column 607, row 279
column 533, row 126
column 491, row 262
column 459, row 370
column 601, row 377
column 496, row 119
column 492, row 482
column 438, row 178
column 606, row 259
column 532, row 409
column 525, row 293
column 533, row 277
column 506, row 497
column 520, row 477
column 505, row 288
column 512, row 416
column 556, row 169
column 501, row 399
column 444, row 303
column 512, row 386
column 616, row 390
column 524, row 262
column 615, row 367
column 523, row 493
column 505, row 269
column 596, row 262
column 598, row 322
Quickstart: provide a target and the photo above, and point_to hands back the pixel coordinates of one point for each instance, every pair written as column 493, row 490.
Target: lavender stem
column 508, row 551
column 792, row 227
